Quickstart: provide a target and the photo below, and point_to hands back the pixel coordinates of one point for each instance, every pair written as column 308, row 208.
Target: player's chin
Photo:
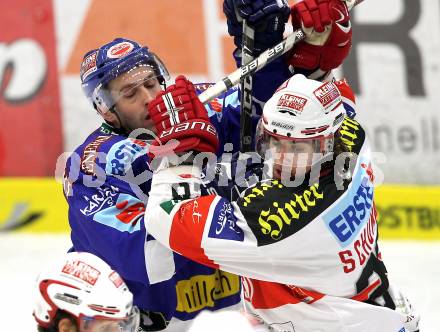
column 147, row 124
column 150, row 126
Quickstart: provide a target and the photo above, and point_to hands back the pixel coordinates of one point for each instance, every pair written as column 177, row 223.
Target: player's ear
column 66, row 325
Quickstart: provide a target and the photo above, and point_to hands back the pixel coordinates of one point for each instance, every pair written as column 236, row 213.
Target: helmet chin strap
column 121, row 129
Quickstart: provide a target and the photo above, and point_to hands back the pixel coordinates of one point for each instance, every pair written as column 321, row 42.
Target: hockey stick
column 255, row 65
column 246, row 89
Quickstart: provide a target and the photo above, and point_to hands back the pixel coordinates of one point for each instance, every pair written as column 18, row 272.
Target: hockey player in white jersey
column 81, row 293
column 305, row 240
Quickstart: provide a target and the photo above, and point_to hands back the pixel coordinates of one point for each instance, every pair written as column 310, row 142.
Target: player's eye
column 129, row 93
column 150, row 83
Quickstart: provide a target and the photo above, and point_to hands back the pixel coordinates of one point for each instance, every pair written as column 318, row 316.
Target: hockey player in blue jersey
column 107, row 183
column 107, row 178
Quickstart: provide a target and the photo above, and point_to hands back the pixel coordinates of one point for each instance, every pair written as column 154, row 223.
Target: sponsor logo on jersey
column 291, row 104
column 369, row 169
column 103, row 198
column 328, row 95
column 119, row 50
column 350, row 133
column 200, row 87
column 260, row 190
column 122, row 154
column 279, row 211
column 362, row 246
column 88, row 65
column 224, row 223
column 130, row 212
column 350, row 213
column 281, row 216
column 216, row 105
column 123, row 215
column 90, row 154
column 81, row 271
column 191, row 207
column 196, row 215
column 202, row 291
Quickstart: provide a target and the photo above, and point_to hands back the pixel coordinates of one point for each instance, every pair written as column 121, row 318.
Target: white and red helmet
column 84, row 286
column 301, row 110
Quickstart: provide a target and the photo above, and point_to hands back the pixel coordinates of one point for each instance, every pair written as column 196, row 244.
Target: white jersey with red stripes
column 308, row 253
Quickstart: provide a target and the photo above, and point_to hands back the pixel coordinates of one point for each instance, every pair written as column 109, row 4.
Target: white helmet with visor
column 85, row 287
column 301, row 117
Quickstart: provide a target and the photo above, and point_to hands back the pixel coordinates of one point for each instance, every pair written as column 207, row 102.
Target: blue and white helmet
column 100, row 66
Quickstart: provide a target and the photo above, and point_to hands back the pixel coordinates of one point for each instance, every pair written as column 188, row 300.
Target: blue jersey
column 106, row 184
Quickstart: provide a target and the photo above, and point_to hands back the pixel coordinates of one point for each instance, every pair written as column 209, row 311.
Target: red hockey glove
column 178, row 114
column 327, row 26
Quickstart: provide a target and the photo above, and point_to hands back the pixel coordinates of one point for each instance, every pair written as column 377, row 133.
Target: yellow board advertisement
column 408, row 212
column 37, row 205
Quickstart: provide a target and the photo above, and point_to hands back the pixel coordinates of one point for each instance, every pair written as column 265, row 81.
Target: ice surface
column 413, row 266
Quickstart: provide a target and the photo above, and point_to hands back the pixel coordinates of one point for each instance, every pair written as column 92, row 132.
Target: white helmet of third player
column 302, row 112
column 84, row 286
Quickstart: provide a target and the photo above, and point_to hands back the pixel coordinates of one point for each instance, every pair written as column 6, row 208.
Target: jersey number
column 375, row 266
column 181, row 191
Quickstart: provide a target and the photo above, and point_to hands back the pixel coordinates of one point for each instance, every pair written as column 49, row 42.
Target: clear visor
column 132, row 79
column 105, row 324
column 149, row 60
column 286, row 151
